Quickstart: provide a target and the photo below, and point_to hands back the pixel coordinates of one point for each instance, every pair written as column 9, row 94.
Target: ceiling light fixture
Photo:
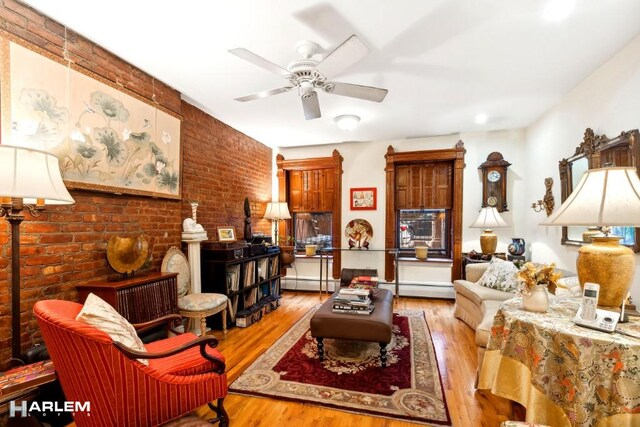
column 481, row 118
column 558, row 10
column 347, row 122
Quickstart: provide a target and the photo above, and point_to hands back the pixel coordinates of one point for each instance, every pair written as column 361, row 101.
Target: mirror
column 594, row 152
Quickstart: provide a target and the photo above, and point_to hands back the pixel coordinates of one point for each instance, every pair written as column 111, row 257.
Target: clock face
column 492, row 200
column 493, row 176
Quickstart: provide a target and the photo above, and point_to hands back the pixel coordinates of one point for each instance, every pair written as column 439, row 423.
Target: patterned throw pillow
column 500, row 275
column 99, row 314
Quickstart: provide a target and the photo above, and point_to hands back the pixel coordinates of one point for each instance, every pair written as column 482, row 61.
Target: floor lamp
column 29, row 179
column 276, row 212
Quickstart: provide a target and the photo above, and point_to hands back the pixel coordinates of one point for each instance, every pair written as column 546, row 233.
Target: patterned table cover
column 587, row 377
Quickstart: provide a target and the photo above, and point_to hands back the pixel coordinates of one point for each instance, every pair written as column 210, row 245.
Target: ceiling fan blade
column 259, row 61
column 310, row 105
column 263, row 94
column 348, row 53
column 368, row 93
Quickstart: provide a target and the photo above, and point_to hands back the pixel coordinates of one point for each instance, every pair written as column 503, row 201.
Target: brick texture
column 66, row 246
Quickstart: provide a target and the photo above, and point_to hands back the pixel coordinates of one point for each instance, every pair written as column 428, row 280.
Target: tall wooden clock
column 494, row 181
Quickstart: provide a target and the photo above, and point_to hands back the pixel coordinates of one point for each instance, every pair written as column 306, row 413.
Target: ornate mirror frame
column 622, row 150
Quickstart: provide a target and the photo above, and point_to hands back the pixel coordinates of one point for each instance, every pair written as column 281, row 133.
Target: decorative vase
column 517, row 246
column 537, row 301
column 421, row 252
column 609, row 264
column 310, row 250
column 287, row 256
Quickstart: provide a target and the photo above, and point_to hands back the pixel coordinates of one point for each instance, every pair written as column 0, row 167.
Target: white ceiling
column 443, row 61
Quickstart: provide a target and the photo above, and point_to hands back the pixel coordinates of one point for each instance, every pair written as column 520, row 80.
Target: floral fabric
column 500, row 275
column 201, row 302
column 99, row 314
column 590, row 375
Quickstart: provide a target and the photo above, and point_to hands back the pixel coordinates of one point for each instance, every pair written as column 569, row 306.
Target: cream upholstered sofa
column 476, row 305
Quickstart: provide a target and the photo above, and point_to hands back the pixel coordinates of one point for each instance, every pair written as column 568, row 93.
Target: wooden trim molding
column 335, row 163
column 456, row 155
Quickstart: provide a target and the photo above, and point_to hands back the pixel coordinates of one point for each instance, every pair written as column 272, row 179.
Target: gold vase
column 488, row 242
column 609, row 264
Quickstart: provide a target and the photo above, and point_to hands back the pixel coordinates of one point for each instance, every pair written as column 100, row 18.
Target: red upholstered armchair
column 184, row 371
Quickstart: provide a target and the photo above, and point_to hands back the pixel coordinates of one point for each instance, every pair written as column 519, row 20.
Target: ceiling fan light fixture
column 481, row 118
column 347, row 122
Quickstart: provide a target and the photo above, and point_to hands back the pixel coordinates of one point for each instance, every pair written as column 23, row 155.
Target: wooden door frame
column 456, row 155
column 335, row 163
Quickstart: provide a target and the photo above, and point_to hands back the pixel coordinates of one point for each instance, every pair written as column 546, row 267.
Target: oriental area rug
column 350, row 378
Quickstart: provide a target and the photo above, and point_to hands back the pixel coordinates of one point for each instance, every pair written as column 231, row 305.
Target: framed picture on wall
column 106, row 137
column 226, row 234
column 364, row 199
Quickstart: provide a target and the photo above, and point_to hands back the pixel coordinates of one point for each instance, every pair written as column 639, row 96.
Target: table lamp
column 489, row 219
column 29, row 179
column 604, row 197
column 276, row 212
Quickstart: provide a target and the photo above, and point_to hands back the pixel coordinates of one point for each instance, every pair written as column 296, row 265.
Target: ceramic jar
column 517, row 246
column 537, row 301
column 421, row 252
column 310, row 250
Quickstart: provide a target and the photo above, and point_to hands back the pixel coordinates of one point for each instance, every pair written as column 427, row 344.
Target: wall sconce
column 548, row 202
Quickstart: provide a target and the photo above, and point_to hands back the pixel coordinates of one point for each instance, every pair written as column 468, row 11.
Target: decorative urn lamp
column 489, row 219
column 604, row 197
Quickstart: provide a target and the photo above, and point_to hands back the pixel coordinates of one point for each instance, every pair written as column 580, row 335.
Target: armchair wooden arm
column 170, row 320
column 202, row 342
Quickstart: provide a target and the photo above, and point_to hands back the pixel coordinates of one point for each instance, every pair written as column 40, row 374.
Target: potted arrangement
column 534, row 280
column 287, row 250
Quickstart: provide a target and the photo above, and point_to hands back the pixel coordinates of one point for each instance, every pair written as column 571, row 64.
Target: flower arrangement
column 531, row 275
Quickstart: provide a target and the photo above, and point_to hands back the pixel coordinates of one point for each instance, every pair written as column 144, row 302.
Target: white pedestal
column 193, row 248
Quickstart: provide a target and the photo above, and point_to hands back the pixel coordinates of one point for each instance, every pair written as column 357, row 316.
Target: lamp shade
column 31, row 174
column 603, row 197
column 277, row 211
column 489, row 218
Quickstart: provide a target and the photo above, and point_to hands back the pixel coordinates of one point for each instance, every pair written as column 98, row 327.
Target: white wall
column 607, row 101
column 364, row 165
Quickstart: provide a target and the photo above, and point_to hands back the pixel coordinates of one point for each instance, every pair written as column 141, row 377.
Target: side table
column 564, row 374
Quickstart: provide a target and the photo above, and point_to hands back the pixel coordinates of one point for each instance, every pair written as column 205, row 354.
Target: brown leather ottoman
column 375, row 327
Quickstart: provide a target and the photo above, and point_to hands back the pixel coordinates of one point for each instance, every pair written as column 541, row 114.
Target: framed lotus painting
column 106, row 137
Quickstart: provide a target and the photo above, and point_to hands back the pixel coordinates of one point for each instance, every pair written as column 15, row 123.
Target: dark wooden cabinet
column 139, row 299
column 251, row 283
column 424, row 185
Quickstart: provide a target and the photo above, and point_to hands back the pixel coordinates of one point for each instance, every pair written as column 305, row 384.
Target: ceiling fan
column 309, row 75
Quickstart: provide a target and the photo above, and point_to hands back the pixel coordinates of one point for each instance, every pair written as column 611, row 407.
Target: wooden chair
column 184, row 371
column 193, row 306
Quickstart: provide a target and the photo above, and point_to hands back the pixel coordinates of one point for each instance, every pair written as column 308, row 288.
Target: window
column 424, row 194
column 312, row 228
column 425, row 227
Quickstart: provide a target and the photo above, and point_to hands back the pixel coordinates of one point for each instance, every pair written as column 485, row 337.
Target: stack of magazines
column 353, row 301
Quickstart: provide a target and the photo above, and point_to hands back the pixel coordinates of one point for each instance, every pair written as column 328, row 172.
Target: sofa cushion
column 483, row 331
column 500, row 275
column 478, row 294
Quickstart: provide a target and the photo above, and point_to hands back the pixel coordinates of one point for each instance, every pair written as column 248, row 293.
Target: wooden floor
column 455, row 348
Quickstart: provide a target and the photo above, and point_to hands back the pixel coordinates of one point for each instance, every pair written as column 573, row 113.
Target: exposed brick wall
column 67, row 244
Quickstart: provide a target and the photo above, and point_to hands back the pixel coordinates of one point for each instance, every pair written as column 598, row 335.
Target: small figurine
column 247, row 220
